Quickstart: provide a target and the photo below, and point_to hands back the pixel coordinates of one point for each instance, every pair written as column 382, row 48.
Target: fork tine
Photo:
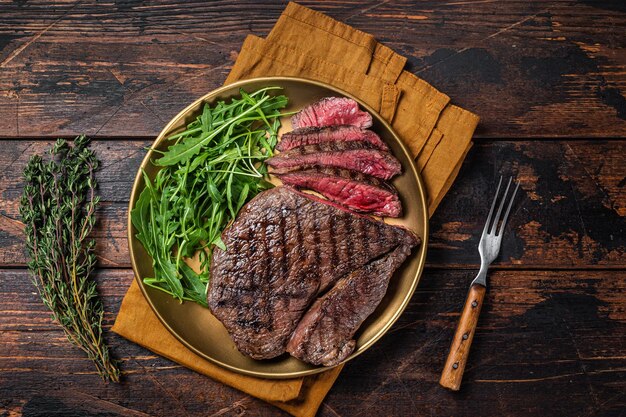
column 492, row 207
column 497, row 218
column 508, row 210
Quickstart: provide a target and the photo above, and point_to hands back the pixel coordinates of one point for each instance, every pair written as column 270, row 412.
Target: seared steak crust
column 332, row 111
column 324, row 335
column 353, row 190
column 313, row 135
column 355, row 156
column 283, row 249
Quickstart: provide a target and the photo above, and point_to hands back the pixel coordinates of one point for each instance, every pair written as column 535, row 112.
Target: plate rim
column 422, row 253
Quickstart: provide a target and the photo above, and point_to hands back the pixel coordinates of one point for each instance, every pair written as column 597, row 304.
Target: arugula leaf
column 212, row 169
column 184, row 150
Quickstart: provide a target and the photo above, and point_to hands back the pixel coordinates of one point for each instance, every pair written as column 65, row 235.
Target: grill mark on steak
column 312, row 135
column 371, row 245
column 348, row 246
column 300, row 248
column 353, row 190
column 332, row 240
column 284, row 260
column 355, row 156
column 264, row 304
column 324, row 335
column 260, row 306
column 258, row 318
column 271, row 275
column 358, row 238
column 331, row 111
column 330, row 248
column 326, row 147
column 316, row 240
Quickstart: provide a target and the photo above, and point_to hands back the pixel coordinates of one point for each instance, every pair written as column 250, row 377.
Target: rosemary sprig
column 58, row 210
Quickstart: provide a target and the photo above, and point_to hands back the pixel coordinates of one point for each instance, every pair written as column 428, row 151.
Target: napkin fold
column 299, row 396
column 437, row 133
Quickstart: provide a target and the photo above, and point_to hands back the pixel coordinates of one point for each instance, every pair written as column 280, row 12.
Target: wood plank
column 120, row 162
column 570, row 213
column 40, row 371
column 548, row 343
column 539, row 350
column 528, row 68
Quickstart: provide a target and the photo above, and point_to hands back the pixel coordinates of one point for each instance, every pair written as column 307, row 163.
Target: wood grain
column 528, row 68
column 547, row 79
column 557, row 338
column 570, row 212
column 453, row 369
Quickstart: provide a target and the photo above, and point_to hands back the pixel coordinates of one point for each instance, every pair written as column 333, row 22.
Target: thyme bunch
column 58, row 210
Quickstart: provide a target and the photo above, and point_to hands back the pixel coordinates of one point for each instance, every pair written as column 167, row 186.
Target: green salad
column 208, row 173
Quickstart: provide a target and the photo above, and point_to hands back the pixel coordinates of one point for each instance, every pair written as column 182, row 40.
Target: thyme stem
column 58, row 210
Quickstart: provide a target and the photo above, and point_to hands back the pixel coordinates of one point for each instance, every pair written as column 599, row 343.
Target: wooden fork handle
column 459, row 351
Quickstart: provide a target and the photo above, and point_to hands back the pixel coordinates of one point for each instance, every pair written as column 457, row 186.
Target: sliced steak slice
column 355, row 156
column 313, row 135
column 283, row 249
column 324, row 335
column 353, row 190
column 332, row 111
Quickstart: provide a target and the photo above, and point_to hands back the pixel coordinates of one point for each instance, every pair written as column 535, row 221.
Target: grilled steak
column 313, row 135
column 332, row 111
column 283, row 249
column 355, row 191
column 324, row 335
column 355, row 156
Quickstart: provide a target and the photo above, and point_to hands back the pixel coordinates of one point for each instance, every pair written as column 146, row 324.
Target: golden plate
column 196, row 327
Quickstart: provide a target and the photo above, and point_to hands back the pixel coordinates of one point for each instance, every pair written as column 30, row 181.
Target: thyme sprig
column 58, row 210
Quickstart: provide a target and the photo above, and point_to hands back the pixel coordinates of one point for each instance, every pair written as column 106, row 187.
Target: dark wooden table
column 548, row 79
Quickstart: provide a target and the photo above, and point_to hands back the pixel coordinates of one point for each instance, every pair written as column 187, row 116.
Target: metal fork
column 488, row 247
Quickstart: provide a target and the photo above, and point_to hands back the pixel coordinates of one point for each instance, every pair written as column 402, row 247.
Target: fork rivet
column 455, row 365
column 474, row 303
column 465, row 336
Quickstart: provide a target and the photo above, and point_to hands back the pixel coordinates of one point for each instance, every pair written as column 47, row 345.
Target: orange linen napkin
column 437, row 132
column 300, row 396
